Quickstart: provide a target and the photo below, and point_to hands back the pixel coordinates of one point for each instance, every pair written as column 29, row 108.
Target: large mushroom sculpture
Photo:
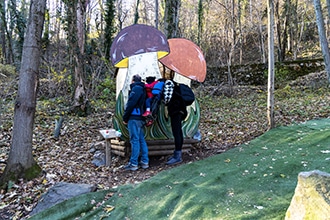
column 135, row 50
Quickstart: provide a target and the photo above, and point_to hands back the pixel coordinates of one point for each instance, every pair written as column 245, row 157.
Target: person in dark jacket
column 178, row 112
column 135, row 123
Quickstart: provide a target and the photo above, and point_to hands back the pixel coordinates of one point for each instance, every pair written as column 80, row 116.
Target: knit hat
column 150, row 79
column 136, row 78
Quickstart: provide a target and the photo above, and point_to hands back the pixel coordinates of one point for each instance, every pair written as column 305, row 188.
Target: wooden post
column 108, row 135
column 108, row 152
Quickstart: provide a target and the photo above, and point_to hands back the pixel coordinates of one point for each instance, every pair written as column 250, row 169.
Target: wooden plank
column 107, row 153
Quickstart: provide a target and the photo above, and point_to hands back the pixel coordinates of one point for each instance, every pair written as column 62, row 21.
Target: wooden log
column 166, row 147
column 120, row 148
column 118, row 142
column 170, row 141
column 119, row 153
column 160, row 152
column 163, row 152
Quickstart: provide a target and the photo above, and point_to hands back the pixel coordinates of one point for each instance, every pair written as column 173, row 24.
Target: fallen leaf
column 108, row 208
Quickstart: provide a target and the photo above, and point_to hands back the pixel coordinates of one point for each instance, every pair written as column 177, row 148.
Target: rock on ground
column 311, row 199
column 60, row 192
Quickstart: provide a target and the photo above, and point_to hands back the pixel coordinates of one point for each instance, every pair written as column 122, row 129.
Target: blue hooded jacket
column 134, row 106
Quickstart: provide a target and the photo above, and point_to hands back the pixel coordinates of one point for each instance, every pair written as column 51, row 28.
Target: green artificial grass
column 252, row 181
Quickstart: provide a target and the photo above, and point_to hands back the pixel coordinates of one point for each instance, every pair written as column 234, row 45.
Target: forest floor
column 226, row 121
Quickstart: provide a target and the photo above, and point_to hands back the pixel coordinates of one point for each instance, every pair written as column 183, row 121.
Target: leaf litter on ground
column 226, row 122
column 251, row 181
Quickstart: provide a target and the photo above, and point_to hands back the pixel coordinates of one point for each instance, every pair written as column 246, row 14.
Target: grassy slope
column 252, row 181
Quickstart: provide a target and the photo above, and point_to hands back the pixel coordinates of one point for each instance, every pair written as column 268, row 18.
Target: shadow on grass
column 252, row 181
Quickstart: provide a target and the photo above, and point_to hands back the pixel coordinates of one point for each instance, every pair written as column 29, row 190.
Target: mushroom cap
column 137, row 39
column 185, row 58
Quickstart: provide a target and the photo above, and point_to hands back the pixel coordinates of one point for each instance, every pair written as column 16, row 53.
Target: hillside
column 225, row 123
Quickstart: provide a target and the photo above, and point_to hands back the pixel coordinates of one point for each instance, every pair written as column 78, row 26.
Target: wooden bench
column 156, row 147
column 113, row 145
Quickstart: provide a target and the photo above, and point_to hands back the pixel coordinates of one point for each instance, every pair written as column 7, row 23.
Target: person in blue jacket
column 135, row 123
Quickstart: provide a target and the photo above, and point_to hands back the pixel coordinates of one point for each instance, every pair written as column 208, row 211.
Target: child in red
column 148, row 86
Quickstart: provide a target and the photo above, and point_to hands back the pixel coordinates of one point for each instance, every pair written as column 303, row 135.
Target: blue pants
column 138, row 143
column 148, row 102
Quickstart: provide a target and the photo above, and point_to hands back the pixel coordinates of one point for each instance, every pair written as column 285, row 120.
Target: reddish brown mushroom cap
column 185, row 58
column 137, row 39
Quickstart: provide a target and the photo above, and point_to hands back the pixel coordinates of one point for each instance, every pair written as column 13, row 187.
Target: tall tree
column 156, row 14
column 76, row 17
column 136, row 15
column 6, row 36
column 200, row 20
column 322, row 36
column 3, row 24
column 122, row 14
column 271, row 70
column 20, row 163
column 18, row 16
column 110, row 28
column 171, row 18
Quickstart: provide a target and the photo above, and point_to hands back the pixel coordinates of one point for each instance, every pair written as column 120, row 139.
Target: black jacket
column 135, row 103
column 176, row 105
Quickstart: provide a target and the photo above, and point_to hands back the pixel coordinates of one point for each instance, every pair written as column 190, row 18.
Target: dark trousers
column 177, row 131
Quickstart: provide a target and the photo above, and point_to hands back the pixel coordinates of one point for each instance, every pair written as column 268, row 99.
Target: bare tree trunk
column 278, row 30
column 262, row 44
column 20, row 163
column 287, row 18
column 200, row 21
column 229, row 74
column 240, row 40
column 6, row 36
column 322, row 36
column 156, row 14
column 233, row 31
column 328, row 8
column 79, row 95
column 3, row 32
column 295, row 31
column 271, row 70
column 121, row 14
column 136, row 15
column 171, row 23
column 76, row 37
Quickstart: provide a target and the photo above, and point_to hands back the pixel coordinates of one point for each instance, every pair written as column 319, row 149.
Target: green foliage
column 59, row 76
column 284, row 93
column 7, row 70
column 107, row 89
column 282, row 74
column 6, row 125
